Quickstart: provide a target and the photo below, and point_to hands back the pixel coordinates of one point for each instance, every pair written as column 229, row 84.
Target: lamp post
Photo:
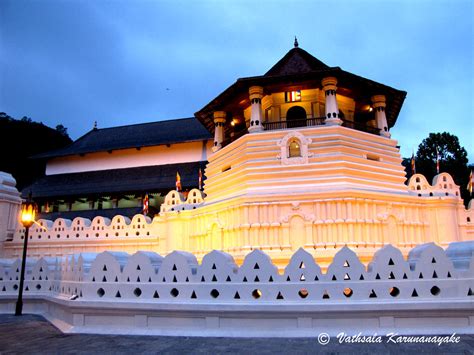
column 28, row 212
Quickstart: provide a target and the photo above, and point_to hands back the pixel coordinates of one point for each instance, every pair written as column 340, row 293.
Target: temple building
column 301, row 156
column 110, row 171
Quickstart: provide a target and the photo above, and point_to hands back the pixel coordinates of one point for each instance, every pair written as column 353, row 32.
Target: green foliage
column 21, row 139
column 453, row 159
column 406, row 163
column 62, row 130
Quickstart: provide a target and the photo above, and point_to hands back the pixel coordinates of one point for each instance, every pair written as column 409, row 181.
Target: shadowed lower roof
column 134, row 136
column 115, row 181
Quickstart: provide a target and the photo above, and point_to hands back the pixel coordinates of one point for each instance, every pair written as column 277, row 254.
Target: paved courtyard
column 30, row 334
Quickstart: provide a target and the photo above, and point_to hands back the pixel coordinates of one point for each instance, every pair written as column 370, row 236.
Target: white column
column 219, row 121
column 378, row 102
column 256, row 94
column 332, row 110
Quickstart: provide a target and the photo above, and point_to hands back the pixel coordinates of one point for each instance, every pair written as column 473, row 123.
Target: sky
column 124, row 62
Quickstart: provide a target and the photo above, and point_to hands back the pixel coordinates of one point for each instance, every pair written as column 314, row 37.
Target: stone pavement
column 31, row 334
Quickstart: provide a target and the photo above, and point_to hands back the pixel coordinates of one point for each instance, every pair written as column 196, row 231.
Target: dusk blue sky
column 125, row 62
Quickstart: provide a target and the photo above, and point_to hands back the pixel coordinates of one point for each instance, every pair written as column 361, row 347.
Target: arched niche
column 299, row 154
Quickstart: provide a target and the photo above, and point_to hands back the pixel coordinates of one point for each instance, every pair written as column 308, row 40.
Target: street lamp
column 28, row 211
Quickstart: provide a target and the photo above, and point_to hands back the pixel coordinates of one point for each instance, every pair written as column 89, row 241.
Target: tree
column 406, row 163
column 21, row 139
column 4, row 117
column 62, row 130
column 453, row 159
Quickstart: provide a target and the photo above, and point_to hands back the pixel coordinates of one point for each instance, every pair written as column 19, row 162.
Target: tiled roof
column 116, row 181
column 296, row 61
column 134, row 136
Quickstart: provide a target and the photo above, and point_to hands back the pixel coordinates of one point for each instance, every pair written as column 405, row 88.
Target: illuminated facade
column 299, row 157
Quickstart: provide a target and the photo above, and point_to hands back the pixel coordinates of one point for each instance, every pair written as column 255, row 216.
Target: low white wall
column 116, row 293
column 251, row 320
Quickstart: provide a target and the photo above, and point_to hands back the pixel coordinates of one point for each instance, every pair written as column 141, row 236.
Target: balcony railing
column 305, row 122
column 308, row 122
column 360, row 127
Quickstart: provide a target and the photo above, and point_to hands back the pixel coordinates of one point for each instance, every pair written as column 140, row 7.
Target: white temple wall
column 347, row 188
column 333, row 158
column 278, row 227
column 128, row 158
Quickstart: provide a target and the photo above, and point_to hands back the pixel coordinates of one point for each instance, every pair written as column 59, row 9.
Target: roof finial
column 296, row 42
column 95, row 124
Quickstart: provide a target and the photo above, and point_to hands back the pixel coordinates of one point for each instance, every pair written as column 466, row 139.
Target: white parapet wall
column 431, row 292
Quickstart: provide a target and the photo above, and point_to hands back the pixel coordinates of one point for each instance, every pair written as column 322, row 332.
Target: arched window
column 294, row 148
column 296, row 117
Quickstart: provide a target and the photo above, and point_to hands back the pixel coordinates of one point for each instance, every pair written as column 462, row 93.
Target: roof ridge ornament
column 95, row 124
column 296, row 42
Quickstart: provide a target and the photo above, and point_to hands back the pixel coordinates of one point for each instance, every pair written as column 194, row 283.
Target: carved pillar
column 332, row 109
column 219, row 121
column 378, row 102
column 256, row 94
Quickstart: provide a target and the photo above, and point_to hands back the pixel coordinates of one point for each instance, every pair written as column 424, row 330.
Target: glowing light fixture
column 28, row 214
